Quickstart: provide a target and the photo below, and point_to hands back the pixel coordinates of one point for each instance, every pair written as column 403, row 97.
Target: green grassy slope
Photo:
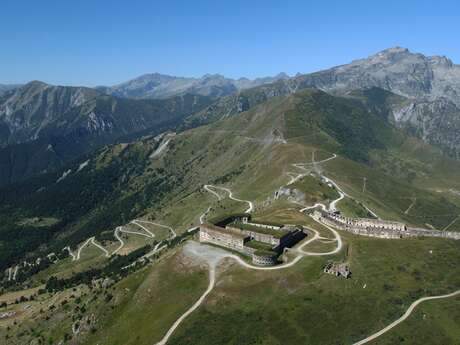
column 149, row 302
column 303, row 306
column 136, row 310
column 246, row 153
column 252, row 153
column 315, row 190
column 433, row 322
column 391, row 197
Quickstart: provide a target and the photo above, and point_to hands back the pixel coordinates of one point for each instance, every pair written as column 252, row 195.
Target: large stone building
column 226, row 238
column 263, row 242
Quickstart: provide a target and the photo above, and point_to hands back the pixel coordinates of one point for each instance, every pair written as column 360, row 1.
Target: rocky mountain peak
column 160, row 86
column 441, row 61
column 32, row 87
column 36, row 83
column 212, row 76
column 394, row 50
column 281, row 75
column 392, row 55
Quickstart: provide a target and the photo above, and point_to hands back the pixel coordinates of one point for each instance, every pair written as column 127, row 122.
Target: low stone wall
column 248, row 250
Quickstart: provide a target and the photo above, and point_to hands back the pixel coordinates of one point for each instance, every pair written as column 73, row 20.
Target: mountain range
column 117, row 182
column 431, row 86
column 7, row 87
column 428, row 90
column 157, row 85
column 43, row 126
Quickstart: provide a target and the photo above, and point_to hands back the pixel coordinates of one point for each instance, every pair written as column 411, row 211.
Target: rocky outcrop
column 26, row 112
column 430, row 83
column 436, row 122
column 396, row 70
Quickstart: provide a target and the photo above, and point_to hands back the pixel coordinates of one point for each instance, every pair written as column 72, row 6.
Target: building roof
column 266, row 231
column 228, row 232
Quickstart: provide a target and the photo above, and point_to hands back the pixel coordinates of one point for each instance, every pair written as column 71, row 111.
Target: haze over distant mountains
column 157, row 85
column 7, row 87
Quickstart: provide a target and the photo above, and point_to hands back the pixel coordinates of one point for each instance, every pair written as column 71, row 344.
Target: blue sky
column 105, row 42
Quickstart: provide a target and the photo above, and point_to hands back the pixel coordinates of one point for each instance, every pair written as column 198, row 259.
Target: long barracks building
column 378, row 228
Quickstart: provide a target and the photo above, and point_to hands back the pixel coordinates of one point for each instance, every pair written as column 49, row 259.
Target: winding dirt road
column 405, row 316
column 209, row 187
column 119, row 229
column 225, row 255
column 92, row 241
column 137, row 221
column 333, row 204
column 204, row 214
column 342, row 194
column 212, row 281
column 72, row 255
column 212, row 263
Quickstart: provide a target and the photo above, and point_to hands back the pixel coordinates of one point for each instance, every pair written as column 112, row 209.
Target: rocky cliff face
column 157, row 86
column 396, row 70
column 430, row 83
column 435, row 121
column 27, row 111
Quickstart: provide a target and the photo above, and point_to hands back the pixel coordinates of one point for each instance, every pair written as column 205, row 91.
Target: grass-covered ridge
column 347, row 122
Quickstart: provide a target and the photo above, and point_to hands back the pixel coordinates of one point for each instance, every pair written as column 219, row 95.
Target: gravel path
column 212, row 256
column 173, row 233
column 405, row 316
column 92, row 241
column 230, row 195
